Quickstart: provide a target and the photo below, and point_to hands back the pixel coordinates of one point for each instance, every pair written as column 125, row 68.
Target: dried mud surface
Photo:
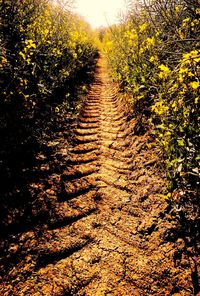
column 107, row 232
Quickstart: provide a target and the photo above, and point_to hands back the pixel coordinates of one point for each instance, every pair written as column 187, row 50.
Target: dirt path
column 107, row 237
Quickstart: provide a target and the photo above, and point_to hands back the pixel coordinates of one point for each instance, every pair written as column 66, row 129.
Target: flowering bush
column 47, row 58
column 154, row 55
column 44, row 49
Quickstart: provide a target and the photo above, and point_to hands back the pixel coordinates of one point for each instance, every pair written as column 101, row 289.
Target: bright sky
column 100, row 12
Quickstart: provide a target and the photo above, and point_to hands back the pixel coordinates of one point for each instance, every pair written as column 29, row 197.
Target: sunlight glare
column 100, row 13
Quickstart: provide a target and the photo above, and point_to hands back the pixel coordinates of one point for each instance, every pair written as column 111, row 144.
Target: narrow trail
column 107, row 237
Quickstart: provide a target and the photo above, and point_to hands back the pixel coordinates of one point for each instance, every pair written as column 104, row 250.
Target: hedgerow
column 154, row 55
column 47, row 58
column 46, row 54
column 44, row 48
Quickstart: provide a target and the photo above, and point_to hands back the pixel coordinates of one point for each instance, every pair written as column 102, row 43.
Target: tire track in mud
column 99, row 243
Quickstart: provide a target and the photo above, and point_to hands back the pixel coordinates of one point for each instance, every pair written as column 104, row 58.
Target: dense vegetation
column 47, row 54
column 44, row 48
column 154, row 55
column 48, row 58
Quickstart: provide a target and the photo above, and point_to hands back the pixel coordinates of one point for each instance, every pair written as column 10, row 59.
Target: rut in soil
column 106, row 239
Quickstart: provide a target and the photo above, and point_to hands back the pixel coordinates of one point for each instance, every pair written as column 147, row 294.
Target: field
column 99, row 156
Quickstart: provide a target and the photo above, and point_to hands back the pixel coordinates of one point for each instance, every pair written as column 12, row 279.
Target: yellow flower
column 195, row 23
column 75, row 55
column 132, row 35
column 186, row 20
column 158, row 33
column 30, row 44
column 22, row 55
column 21, row 29
column 4, row 60
column 141, row 51
column 190, row 74
column 164, row 68
column 174, row 106
column 143, row 27
column 178, row 9
column 180, row 79
column 190, row 55
column 56, row 51
column 151, row 41
column 28, row 61
column 180, row 102
column 153, row 59
column 194, row 84
column 185, row 86
column 183, row 70
column 160, row 108
column 181, row 34
column 162, row 75
column 164, row 71
column 168, row 133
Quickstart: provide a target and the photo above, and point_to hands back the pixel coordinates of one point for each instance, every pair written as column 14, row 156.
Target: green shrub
column 154, row 55
column 43, row 50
